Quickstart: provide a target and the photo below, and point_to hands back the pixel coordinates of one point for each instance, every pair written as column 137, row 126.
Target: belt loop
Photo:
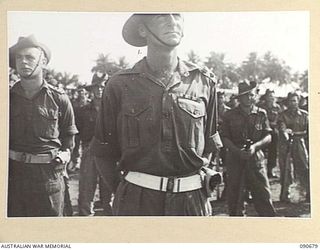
column 178, row 186
column 161, row 183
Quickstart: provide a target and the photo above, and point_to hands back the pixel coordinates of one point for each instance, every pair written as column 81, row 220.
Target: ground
column 297, row 208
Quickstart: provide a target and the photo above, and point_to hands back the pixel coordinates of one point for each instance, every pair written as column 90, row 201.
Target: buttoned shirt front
column 154, row 128
column 273, row 112
column 239, row 126
column 295, row 120
column 38, row 125
column 85, row 121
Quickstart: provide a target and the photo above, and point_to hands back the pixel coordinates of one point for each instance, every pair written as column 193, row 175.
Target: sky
column 76, row 38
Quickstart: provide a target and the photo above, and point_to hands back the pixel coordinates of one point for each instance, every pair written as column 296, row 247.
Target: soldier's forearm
column 263, row 142
column 300, row 132
column 67, row 142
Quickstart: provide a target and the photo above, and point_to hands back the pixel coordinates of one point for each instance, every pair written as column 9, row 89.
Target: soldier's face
column 221, row 100
column 270, row 98
column 247, row 100
column 167, row 27
column 30, row 60
column 294, row 102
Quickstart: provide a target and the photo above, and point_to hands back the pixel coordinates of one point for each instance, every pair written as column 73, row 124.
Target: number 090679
column 308, row 246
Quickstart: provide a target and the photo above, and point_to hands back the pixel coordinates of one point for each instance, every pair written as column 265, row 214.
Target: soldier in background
column 90, row 173
column 273, row 110
column 293, row 126
column 77, row 103
column 233, row 101
column 245, row 132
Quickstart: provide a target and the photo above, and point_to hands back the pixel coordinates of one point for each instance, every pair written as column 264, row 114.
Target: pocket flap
column 194, row 108
column 50, row 114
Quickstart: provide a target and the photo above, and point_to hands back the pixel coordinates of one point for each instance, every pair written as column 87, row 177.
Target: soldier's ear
column 44, row 61
column 142, row 31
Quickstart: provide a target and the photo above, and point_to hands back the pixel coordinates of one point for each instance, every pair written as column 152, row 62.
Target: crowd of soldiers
column 153, row 137
column 287, row 122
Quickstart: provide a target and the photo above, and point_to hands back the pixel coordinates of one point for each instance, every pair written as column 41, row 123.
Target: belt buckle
column 170, row 184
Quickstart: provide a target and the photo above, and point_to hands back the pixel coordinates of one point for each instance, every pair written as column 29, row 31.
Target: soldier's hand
column 289, row 131
column 247, row 154
column 59, row 166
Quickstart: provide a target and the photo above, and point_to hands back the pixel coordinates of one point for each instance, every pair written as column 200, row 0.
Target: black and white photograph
column 158, row 114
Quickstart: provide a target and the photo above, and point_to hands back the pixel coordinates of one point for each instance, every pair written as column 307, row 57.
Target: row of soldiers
column 287, row 121
column 280, row 152
column 149, row 136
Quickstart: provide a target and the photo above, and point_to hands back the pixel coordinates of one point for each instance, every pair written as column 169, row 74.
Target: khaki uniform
column 297, row 122
column 37, row 128
column 158, row 130
column 238, row 126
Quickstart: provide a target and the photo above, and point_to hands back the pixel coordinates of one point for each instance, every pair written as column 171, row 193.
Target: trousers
column 90, row 176
column 34, row 190
column 133, row 200
column 255, row 180
column 296, row 169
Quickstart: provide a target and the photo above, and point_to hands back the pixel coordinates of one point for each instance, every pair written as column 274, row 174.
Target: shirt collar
column 254, row 110
column 17, row 88
column 294, row 112
column 183, row 68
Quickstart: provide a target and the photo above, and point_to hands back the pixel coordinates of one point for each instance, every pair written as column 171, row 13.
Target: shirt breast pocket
column 46, row 122
column 193, row 115
column 137, row 125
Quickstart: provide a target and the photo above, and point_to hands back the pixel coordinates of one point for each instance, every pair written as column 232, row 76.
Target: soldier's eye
column 30, row 58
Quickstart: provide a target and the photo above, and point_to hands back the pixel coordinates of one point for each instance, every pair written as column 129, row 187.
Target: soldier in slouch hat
column 42, row 129
column 158, row 121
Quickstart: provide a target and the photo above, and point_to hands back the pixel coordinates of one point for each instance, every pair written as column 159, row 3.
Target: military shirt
column 37, row 125
column 238, row 126
column 85, row 121
column 155, row 128
column 295, row 120
column 273, row 113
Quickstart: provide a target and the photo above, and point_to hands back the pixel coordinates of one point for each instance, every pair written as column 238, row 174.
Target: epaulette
column 208, row 73
column 126, row 72
column 56, row 89
column 191, row 66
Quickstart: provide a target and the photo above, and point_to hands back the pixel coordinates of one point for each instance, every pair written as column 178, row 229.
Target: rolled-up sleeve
column 265, row 123
column 67, row 120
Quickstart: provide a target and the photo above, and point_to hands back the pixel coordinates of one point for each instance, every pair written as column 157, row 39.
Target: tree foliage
column 63, row 78
column 193, row 57
column 254, row 67
column 104, row 64
column 304, row 81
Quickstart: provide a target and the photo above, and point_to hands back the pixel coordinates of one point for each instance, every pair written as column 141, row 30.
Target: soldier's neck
column 161, row 61
column 31, row 86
